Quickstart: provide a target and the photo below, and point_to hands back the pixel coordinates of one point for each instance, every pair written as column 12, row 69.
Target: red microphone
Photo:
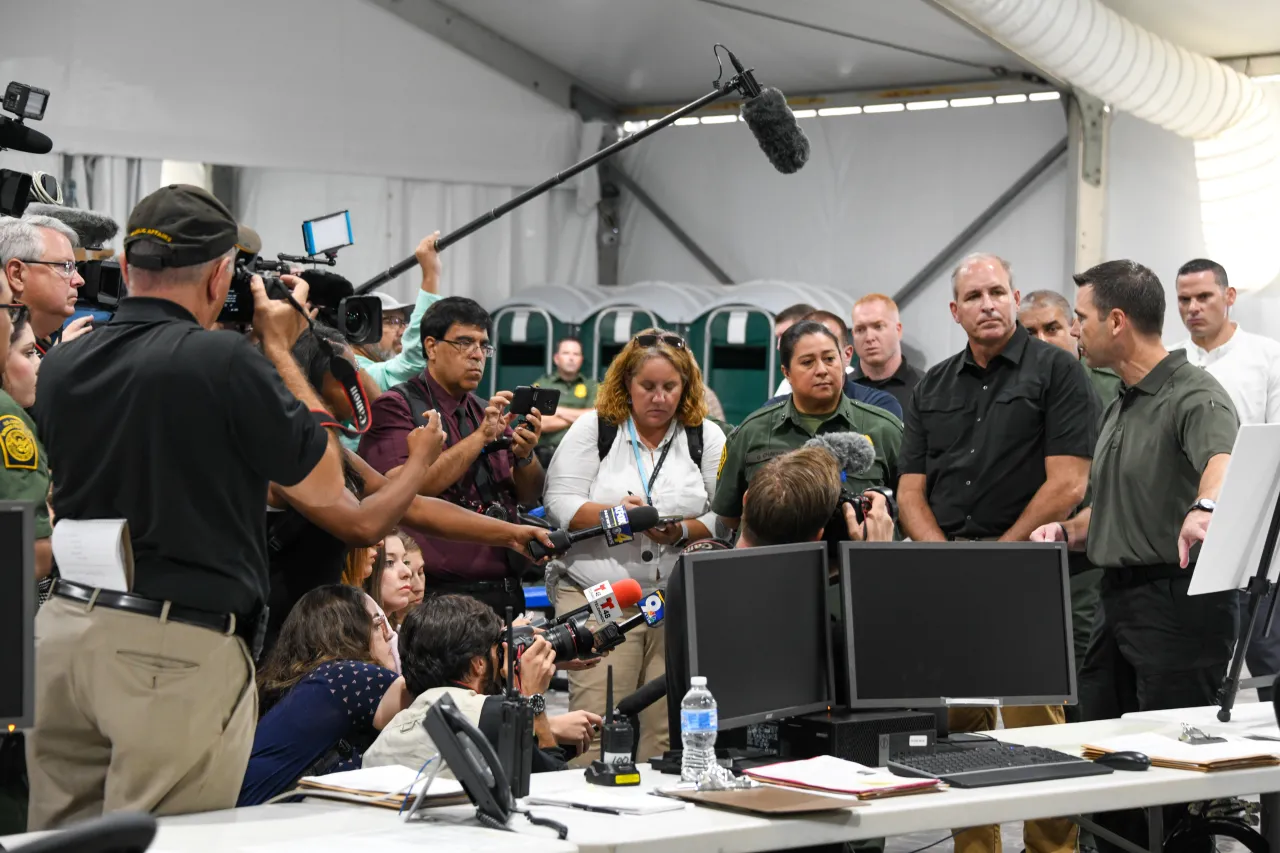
column 606, row 601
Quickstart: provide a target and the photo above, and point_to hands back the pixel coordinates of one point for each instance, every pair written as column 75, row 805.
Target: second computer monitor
column 757, row 622
column 17, row 615
column 936, row 624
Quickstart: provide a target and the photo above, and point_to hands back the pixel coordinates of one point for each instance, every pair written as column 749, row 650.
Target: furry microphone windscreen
column 853, row 452
column 775, row 128
column 327, row 288
column 93, row 229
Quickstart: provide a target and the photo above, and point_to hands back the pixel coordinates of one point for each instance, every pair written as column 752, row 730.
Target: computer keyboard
column 994, row 763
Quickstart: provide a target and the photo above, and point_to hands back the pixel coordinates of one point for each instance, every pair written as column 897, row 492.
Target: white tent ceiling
column 659, row 51
column 1212, row 27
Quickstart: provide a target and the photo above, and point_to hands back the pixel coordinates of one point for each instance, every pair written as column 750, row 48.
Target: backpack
column 607, row 432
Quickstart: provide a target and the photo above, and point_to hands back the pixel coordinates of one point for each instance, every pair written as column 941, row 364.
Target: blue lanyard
column 635, row 447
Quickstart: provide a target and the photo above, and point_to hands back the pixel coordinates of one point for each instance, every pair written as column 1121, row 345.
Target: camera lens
column 571, row 640
column 357, row 323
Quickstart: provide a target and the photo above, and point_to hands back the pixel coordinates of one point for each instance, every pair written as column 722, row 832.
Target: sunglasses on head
column 653, row 340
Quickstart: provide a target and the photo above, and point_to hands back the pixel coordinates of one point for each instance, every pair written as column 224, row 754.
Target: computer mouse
column 1124, row 761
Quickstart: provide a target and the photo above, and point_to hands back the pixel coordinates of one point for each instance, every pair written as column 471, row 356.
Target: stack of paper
column 827, row 773
column 383, row 786
column 620, row 801
column 1164, row 751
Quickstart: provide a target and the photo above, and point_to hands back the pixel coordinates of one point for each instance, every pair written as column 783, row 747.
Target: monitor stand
column 1259, row 588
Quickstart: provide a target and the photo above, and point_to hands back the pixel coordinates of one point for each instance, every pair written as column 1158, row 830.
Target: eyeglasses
column 652, row 340
column 15, row 309
column 66, row 269
column 393, row 320
column 467, row 346
column 380, row 624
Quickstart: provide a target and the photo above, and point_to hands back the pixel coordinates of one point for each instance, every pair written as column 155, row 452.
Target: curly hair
column 613, row 402
column 328, row 623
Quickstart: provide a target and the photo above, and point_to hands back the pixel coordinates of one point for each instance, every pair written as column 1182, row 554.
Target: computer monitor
column 953, row 623
column 17, row 615
column 754, row 621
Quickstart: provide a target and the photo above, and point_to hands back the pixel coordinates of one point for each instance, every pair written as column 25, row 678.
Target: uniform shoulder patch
column 18, row 448
column 724, row 453
column 580, row 391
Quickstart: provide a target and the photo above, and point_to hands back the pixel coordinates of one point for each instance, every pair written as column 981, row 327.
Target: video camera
column 358, row 318
column 17, row 189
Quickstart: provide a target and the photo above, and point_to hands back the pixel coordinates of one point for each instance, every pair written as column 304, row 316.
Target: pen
column 597, row 809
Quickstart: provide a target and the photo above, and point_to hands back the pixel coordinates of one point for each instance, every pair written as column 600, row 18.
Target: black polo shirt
column 178, row 430
column 980, row 436
column 900, row 384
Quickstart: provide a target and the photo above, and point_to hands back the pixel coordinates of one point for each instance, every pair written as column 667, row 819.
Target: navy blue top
column 863, row 394
column 332, row 706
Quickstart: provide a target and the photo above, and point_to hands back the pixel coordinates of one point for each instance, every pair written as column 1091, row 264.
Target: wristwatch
column 538, row 703
column 1204, row 505
column 684, row 536
column 522, row 461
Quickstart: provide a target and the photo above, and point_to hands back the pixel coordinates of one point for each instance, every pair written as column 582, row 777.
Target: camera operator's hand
column 579, row 664
column 537, row 665
column 527, row 434
column 275, row 321
column 576, row 728
column 76, row 328
column 1054, row 532
column 494, row 422
column 878, row 526
column 426, row 442
column 429, row 261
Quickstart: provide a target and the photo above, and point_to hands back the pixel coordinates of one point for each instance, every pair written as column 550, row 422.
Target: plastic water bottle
column 698, row 725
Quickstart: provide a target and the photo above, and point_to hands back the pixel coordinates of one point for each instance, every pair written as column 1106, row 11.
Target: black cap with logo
column 181, row 225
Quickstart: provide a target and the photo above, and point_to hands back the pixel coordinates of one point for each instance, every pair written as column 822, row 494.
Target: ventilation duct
column 1234, row 122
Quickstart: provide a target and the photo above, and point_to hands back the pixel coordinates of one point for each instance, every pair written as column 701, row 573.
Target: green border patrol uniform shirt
column 1156, row 439
column 573, row 395
column 779, row 428
column 24, row 470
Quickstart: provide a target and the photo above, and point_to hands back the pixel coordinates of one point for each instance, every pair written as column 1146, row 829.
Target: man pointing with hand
column 145, row 696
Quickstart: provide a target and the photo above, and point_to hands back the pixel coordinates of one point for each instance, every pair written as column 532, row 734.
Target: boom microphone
column 771, row 122
column 18, row 137
column 853, row 452
column 93, row 229
column 617, row 523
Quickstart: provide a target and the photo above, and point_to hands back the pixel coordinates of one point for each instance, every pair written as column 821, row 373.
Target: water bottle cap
column 698, row 681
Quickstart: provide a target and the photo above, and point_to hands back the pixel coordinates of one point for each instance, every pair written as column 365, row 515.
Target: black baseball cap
column 181, row 225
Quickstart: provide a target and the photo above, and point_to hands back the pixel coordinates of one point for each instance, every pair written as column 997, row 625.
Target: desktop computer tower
column 867, row 737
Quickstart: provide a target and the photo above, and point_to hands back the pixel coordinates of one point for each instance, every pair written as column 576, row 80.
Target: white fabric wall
column 879, row 197
column 546, row 240
column 338, row 86
column 1154, row 218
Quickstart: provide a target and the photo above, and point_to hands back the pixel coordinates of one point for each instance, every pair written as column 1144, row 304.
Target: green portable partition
column 610, row 329
column 524, row 338
column 738, row 357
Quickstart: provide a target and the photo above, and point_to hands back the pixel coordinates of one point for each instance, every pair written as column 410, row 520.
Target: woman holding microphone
column 649, row 443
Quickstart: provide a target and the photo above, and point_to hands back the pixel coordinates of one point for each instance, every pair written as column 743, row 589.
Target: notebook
column 828, row 773
column 1164, row 751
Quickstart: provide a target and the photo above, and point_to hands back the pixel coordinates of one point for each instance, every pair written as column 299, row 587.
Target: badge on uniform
column 17, row 444
column 869, row 441
column 580, row 391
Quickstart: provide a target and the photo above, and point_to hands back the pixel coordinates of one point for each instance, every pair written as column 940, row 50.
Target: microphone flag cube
column 604, row 604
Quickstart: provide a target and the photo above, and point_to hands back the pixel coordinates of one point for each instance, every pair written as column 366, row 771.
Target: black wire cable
column 998, row 70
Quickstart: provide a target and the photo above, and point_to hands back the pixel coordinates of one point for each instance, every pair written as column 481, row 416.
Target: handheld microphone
column 17, row 136
column 617, row 523
column 613, row 634
column 605, row 601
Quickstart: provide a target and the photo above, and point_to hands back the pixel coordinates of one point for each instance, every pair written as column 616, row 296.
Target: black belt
column 504, row 585
column 223, row 623
column 1122, row 576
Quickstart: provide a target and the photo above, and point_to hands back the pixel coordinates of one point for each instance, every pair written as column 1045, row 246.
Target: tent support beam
column 939, row 261
column 614, row 174
column 502, row 55
column 1088, row 137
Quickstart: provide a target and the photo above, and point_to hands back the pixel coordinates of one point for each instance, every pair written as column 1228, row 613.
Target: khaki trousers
column 135, row 714
column 1054, row 835
column 637, row 661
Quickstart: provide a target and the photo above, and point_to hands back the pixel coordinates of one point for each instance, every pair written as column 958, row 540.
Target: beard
column 491, row 683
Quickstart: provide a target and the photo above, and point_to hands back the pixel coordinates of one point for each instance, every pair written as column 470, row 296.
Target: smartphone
column 327, row 233
column 527, row 398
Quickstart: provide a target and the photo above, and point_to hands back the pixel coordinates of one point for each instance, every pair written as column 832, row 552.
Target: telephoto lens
column 570, row 641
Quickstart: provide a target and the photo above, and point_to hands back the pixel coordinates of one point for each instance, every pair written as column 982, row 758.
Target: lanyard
column 635, row 447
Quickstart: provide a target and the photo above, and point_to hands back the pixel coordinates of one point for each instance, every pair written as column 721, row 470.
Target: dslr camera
column 837, row 528
column 570, row 640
